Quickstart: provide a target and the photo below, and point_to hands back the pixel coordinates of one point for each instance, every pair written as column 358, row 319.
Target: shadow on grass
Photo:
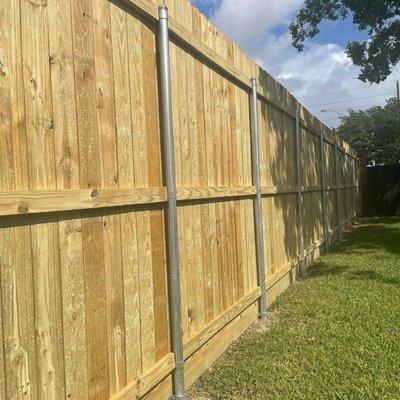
column 370, row 275
column 383, row 233
column 374, row 234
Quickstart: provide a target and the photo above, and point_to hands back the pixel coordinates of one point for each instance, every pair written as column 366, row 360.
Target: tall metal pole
column 324, row 197
column 300, row 196
column 398, row 90
column 258, row 214
column 173, row 250
column 338, row 203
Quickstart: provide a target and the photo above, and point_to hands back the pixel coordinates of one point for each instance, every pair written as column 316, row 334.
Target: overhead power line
column 345, row 90
column 361, row 106
column 350, row 100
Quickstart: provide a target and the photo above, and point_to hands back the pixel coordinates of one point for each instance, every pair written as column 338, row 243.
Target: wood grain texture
column 45, row 201
column 84, row 293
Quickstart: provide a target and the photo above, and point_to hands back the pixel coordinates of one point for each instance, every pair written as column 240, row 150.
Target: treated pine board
column 63, row 95
column 231, row 248
column 152, row 173
column 10, row 55
column 2, row 355
column 131, row 276
column 193, row 139
column 140, row 58
column 127, row 112
column 217, row 115
column 214, row 192
column 104, row 85
column 48, row 306
column 147, row 381
column 213, row 327
column 234, row 178
column 43, row 201
column 212, row 161
column 161, row 321
column 67, row 173
column 242, row 174
column 92, row 221
column 18, row 309
column 123, row 60
column 188, row 254
column 179, row 113
column 146, row 289
column 114, row 286
column 17, row 298
column 213, row 349
column 210, row 180
column 203, row 177
column 73, row 300
column 42, row 175
column 95, row 303
column 175, row 73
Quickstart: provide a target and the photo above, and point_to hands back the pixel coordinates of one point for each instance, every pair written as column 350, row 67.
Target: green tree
column 374, row 133
column 380, row 18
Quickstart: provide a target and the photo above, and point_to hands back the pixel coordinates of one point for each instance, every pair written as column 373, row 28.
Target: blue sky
column 322, row 77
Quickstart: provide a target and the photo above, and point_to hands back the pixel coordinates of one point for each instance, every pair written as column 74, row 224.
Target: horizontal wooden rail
column 43, row 201
column 147, row 380
column 272, row 190
column 46, row 201
column 196, row 193
column 329, row 188
column 215, row 326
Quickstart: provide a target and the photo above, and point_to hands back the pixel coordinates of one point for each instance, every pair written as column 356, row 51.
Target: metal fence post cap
column 163, row 11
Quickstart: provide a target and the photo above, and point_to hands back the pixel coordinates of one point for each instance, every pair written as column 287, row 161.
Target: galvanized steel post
column 169, row 161
column 255, row 147
column 324, row 197
column 300, row 196
column 338, row 205
column 357, row 161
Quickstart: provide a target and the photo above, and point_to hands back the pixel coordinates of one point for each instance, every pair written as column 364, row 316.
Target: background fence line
column 84, row 194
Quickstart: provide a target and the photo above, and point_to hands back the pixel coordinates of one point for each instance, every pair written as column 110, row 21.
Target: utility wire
column 350, row 100
column 344, row 90
column 360, row 107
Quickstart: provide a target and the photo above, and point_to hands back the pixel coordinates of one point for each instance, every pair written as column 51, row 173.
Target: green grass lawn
column 336, row 335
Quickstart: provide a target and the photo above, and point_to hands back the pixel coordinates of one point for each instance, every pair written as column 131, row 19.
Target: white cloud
column 313, row 75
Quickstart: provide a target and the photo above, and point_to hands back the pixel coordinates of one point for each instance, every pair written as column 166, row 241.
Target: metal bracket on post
column 258, row 214
column 172, row 220
column 338, row 204
column 300, row 196
column 324, row 197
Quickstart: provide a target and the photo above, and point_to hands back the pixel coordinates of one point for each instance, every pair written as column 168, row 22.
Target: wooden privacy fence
column 86, row 310
column 379, row 189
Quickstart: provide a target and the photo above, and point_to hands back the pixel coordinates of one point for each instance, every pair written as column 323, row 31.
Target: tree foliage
column 374, row 133
column 380, row 18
